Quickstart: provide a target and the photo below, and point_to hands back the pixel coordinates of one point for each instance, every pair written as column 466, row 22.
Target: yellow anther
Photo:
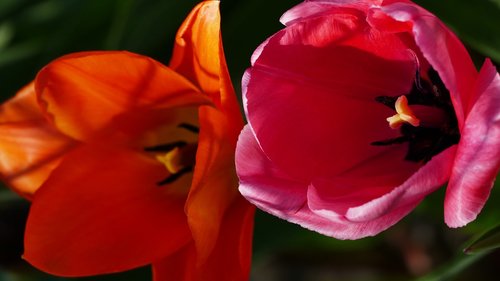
column 172, row 160
column 403, row 114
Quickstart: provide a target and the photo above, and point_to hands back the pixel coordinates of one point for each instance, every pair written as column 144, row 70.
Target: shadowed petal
column 444, row 51
column 230, row 258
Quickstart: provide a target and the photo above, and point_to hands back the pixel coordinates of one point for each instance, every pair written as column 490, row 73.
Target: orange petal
column 31, row 146
column 84, row 91
column 214, row 186
column 229, row 261
column 199, row 55
column 22, row 107
column 101, row 211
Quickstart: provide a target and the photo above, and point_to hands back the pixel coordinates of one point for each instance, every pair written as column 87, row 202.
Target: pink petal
column 478, row 156
column 381, row 213
column 342, row 229
column 443, row 50
column 316, row 7
column 261, row 182
column 426, row 180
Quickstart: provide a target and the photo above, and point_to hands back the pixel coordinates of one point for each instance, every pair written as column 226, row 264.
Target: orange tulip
column 107, row 147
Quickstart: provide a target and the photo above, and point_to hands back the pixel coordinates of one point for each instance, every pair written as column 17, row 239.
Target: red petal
column 320, row 106
column 367, row 181
column 229, row 260
column 478, row 157
column 31, row 146
column 83, row 92
column 101, row 211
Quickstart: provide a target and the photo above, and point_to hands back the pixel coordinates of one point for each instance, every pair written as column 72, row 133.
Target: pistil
column 416, row 115
column 404, row 114
column 178, row 157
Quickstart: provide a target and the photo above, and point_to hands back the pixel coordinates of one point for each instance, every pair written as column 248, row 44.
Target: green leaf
column 453, row 268
column 485, row 242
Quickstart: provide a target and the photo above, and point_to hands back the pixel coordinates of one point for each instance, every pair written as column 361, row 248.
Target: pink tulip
column 359, row 109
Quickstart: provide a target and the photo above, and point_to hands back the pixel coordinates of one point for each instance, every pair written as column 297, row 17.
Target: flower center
column 178, row 157
column 425, row 117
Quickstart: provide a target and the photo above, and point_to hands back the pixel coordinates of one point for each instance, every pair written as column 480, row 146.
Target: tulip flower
column 359, row 109
column 129, row 162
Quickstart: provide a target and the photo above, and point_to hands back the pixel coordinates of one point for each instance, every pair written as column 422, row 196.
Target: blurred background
column 421, row 247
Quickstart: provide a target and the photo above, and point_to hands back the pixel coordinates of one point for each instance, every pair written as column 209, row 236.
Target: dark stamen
column 174, row 177
column 418, row 81
column 400, row 139
column 189, row 127
column 165, row 147
column 439, row 87
column 387, row 101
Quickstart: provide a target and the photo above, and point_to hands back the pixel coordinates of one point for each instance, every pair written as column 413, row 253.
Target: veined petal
column 478, row 157
column 83, row 92
column 102, row 211
column 230, row 258
column 196, row 49
column 31, row 146
column 198, row 52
